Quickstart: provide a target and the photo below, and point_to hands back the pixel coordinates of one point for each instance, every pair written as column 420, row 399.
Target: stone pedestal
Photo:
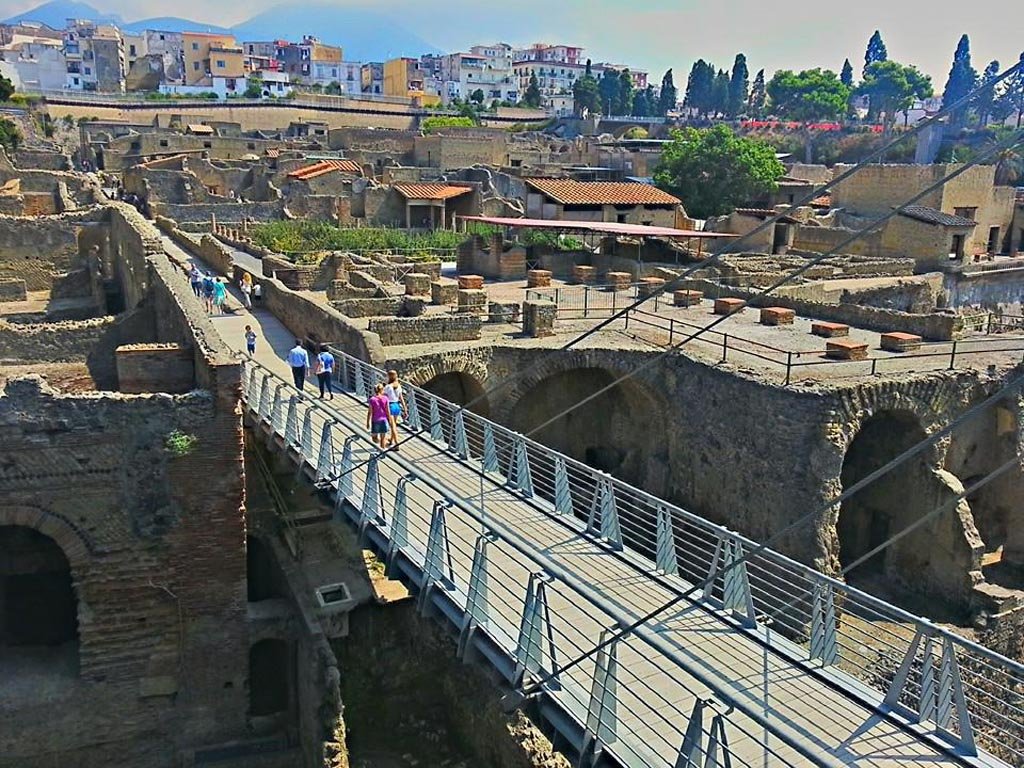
column 729, row 306
column 900, row 342
column 618, row 281
column 471, row 282
column 539, row 318
column 538, row 278
column 584, row 274
column 443, row 292
column 649, row 286
column 472, row 302
column 503, row 312
column 687, row 298
column 417, row 284
column 777, row 316
column 844, row 349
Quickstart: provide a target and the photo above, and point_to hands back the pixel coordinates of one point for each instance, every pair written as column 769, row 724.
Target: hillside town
column 512, row 407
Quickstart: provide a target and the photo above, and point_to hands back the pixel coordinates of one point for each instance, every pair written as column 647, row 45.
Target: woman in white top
column 396, row 404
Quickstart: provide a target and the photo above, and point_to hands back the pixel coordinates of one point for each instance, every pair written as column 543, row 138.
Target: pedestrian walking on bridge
column 298, row 360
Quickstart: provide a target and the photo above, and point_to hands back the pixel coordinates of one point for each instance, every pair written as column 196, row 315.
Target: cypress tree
column 962, row 79
column 739, row 86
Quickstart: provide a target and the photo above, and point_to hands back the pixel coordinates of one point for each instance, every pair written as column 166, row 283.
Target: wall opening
column 262, row 581
column 38, row 608
column 886, row 506
column 459, row 388
column 269, row 678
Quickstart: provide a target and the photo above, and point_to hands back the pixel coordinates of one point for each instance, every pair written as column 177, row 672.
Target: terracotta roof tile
column 572, row 192
column 430, row 191
column 326, row 166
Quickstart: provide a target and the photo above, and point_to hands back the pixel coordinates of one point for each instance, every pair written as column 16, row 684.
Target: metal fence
column 943, row 686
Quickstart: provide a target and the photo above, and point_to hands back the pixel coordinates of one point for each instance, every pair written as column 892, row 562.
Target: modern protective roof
column 934, row 216
column 325, row 166
column 430, row 191
column 572, row 192
column 200, row 129
column 601, row 227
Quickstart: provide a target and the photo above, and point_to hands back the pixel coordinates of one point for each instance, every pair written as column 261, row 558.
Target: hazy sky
column 656, row 34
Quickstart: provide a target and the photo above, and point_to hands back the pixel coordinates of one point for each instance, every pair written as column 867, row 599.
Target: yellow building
column 404, row 78
column 209, row 55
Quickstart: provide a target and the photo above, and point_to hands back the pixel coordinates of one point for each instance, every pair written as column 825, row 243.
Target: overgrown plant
column 178, row 443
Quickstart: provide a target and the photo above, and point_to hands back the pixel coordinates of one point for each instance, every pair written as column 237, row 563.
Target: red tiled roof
column 430, row 191
column 325, row 166
column 572, row 192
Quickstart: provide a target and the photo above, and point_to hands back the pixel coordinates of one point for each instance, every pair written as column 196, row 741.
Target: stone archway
column 458, row 378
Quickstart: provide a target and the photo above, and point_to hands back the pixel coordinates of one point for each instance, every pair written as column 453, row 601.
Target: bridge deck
column 783, row 714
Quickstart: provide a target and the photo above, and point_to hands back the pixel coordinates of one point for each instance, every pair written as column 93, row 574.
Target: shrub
column 309, row 241
column 440, row 122
column 179, row 444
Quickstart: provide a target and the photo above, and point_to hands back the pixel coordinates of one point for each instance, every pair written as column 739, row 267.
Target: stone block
column 843, row 349
column 472, row 301
column 503, row 312
column 471, row 282
column 777, row 316
column 618, row 281
column 538, row 278
column 12, row 289
column 417, row 284
column 649, row 286
column 584, row 274
column 155, row 368
column 729, row 306
column 897, row 341
column 539, row 318
column 413, row 306
column 829, row 330
column 443, row 292
column 687, row 298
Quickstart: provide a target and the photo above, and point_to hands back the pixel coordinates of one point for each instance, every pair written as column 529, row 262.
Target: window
column 956, row 250
column 967, row 213
column 163, row 142
column 207, row 145
column 161, row 37
column 131, row 50
column 195, row 65
column 993, row 239
column 195, row 46
column 220, row 64
column 251, row 145
column 88, row 71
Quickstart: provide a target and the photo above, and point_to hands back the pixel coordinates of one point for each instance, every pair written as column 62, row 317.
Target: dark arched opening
column 262, row 580
column 869, row 517
column 38, row 607
column 269, row 677
column 459, row 388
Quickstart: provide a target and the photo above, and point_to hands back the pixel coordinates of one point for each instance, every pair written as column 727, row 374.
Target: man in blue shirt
column 325, row 371
column 298, row 359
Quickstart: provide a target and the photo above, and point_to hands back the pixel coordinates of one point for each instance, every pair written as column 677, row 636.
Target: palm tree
column 1009, row 164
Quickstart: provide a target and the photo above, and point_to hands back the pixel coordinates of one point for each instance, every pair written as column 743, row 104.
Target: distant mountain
column 173, row 24
column 56, row 13
column 363, row 34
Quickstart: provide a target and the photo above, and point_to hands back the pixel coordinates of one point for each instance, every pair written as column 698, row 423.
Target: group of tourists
column 210, row 288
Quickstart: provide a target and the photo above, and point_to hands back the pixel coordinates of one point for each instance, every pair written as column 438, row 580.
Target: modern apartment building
column 95, row 57
column 211, row 55
column 487, row 68
column 405, row 78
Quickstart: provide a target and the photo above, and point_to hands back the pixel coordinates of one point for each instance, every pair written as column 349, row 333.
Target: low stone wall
column 426, row 330
column 934, row 326
column 12, row 289
column 69, row 341
column 368, row 307
column 223, row 212
column 155, row 368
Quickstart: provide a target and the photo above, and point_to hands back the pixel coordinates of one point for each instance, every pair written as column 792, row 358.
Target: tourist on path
column 325, row 371
column 208, row 290
column 298, row 359
column 250, row 340
column 195, row 279
column 220, row 295
column 396, row 405
column 378, row 417
column 246, row 287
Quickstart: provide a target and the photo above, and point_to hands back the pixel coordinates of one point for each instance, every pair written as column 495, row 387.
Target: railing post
column 666, row 559
column 692, row 749
column 602, row 709
column 360, row 382
column 823, row 643
column 436, row 433
column 369, row 508
column 399, row 534
column 604, row 514
column 563, row 497
column 266, row 403
column 345, row 484
column 519, row 476
column 478, row 609
column 325, row 456
column 725, row 346
column 535, row 646
column 459, row 442
column 437, row 563
column 490, row 460
column 414, row 412
column 789, row 366
column 671, row 330
column 291, row 424
column 952, row 356
column 586, row 300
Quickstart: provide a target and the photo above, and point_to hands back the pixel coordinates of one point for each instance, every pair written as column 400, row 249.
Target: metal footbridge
column 534, row 559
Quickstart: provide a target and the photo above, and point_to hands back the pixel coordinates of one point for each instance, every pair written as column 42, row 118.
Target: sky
column 658, row 34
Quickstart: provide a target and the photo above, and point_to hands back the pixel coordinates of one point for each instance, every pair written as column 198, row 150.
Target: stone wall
column 69, row 341
column 368, row 307
column 426, row 330
column 35, row 249
column 42, row 160
column 989, row 290
column 226, row 212
column 825, row 239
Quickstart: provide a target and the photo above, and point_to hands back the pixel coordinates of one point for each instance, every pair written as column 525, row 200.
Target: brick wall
column 368, row 307
column 69, row 341
column 160, row 367
column 426, row 330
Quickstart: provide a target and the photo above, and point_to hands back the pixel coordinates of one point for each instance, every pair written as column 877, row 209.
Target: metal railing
column 939, row 684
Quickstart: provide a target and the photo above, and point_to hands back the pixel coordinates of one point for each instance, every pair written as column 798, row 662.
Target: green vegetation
column 713, row 170
column 179, row 444
column 636, row 132
column 532, row 97
column 253, row 88
column 6, row 89
column 440, row 122
column 10, row 136
column 892, row 88
column 308, row 241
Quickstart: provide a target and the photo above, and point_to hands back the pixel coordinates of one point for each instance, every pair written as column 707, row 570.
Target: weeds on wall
column 179, row 444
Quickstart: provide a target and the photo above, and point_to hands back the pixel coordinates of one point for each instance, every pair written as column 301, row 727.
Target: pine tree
column 642, row 102
column 608, row 87
column 668, row 96
column 985, row 101
column 699, row 87
column 720, row 93
column 739, row 86
column 585, row 93
column 846, row 76
column 532, row 96
column 876, row 51
column 962, row 79
column 624, row 101
column 758, row 96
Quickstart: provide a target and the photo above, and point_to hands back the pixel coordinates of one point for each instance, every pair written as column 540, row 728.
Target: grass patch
column 307, row 242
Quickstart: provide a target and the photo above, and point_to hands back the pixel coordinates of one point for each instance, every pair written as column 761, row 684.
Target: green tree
column 668, row 95
column 477, row 96
column 808, row 96
column 642, row 102
column 10, row 136
column 875, row 52
column 846, row 76
column 892, row 88
column 985, row 101
column 532, row 97
column 6, row 88
column 739, row 86
column 758, row 96
column 624, row 101
column 435, row 123
column 1010, row 100
column 720, row 93
column 253, row 88
column 712, row 171
column 699, row 87
column 585, row 94
column 608, row 86
column 333, row 88
column 962, row 79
